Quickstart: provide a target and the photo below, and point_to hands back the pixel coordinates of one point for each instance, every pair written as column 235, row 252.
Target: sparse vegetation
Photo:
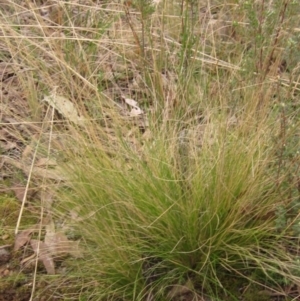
column 161, row 141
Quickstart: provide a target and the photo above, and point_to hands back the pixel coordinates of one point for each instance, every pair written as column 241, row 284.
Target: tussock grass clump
column 178, row 170
column 178, row 213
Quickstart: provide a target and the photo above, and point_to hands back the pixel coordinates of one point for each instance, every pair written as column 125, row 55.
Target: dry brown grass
column 203, row 73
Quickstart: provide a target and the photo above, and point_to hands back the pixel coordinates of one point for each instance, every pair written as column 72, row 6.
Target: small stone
column 4, row 256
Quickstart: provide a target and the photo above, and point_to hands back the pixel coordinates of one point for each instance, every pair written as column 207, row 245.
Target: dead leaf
column 135, row 110
column 131, row 102
column 43, row 254
column 23, row 237
column 65, row 107
column 19, row 192
column 58, row 244
column 55, row 244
